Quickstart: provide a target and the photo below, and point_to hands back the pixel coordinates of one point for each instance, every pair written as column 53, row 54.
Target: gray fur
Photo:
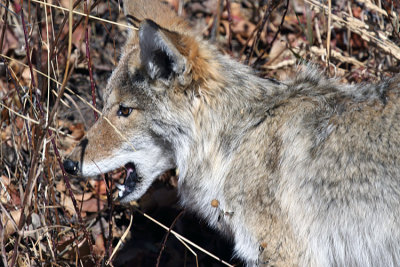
column 306, row 172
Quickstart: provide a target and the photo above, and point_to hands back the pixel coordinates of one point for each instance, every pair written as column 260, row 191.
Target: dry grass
column 47, row 67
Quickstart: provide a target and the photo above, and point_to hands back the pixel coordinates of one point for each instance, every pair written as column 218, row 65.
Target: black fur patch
column 155, row 53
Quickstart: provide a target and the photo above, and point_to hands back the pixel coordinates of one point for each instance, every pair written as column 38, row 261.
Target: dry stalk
column 378, row 38
column 329, row 31
column 230, row 20
column 166, row 236
column 183, row 239
column 96, row 116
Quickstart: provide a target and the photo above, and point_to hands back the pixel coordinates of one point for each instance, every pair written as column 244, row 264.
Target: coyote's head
column 150, row 102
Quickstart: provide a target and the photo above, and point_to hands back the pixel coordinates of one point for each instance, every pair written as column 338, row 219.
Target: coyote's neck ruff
column 301, row 173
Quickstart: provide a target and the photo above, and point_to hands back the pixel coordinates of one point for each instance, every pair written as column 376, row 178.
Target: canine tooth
column 121, row 187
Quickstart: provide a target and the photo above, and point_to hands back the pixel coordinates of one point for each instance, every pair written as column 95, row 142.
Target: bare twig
column 32, row 176
column 267, row 13
column 55, row 41
column 96, row 116
column 180, row 237
column 2, row 248
column 29, row 119
column 248, row 40
column 190, row 249
column 357, row 26
column 109, row 183
column 79, row 97
column 230, row 20
column 109, row 261
column 217, row 18
column 18, row 89
column 393, row 18
column 166, row 236
column 329, row 31
column 276, row 34
column 83, row 14
column 3, row 30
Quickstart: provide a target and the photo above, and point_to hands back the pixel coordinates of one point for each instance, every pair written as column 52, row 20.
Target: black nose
column 71, row 166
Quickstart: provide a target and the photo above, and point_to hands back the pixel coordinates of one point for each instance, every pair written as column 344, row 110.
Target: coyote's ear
column 132, row 19
column 159, row 53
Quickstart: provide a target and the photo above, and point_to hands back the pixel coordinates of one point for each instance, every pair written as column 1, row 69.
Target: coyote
column 298, row 173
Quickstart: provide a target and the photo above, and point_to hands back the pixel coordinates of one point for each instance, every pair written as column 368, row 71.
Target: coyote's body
column 304, row 173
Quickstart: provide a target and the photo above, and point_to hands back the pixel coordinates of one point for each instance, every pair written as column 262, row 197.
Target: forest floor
column 39, row 223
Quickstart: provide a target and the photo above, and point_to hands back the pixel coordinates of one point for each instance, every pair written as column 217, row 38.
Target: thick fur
column 305, row 172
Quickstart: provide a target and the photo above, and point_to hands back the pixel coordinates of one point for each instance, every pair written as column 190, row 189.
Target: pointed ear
column 132, row 18
column 159, row 53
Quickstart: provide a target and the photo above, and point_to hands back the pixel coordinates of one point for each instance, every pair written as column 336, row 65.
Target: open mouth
column 131, row 180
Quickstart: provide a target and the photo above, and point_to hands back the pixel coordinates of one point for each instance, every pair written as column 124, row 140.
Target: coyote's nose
column 71, row 166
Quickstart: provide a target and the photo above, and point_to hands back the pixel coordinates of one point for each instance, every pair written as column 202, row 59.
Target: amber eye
column 124, row 111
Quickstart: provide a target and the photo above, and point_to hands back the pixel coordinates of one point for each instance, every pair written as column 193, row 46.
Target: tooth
column 121, row 187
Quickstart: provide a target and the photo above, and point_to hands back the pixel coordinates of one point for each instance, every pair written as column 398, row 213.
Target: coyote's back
column 300, row 173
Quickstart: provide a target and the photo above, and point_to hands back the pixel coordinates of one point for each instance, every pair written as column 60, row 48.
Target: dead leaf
column 67, row 203
column 92, row 205
column 60, row 186
column 84, row 197
column 99, row 186
column 10, row 227
column 77, row 130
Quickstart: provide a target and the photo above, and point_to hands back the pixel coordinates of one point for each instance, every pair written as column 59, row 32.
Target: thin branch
column 55, row 41
column 25, row 207
column 121, row 241
column 276, row 34
column 31, row 176
column 357, row 26
column 96, row 116
column 328, row 38
column 166, row 236
column 3, row 31
column 2, row 248
column 79, row 97
column 230, row 20
column 178, row 236
column 30, row 119
column 271, row 7
column 109, row 183
column 217, row 18
column 83, row 14
column 18, row 89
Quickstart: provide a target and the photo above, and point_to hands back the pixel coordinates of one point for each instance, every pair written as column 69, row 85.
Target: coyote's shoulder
column 304, row 172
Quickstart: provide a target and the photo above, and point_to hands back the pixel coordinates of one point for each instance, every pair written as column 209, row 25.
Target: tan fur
column 161, row 14
column 304, row 173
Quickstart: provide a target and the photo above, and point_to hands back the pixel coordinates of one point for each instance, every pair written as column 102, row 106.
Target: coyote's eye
column 124, row 111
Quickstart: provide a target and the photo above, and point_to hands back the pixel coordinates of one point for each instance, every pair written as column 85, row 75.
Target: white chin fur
column 149, row 163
